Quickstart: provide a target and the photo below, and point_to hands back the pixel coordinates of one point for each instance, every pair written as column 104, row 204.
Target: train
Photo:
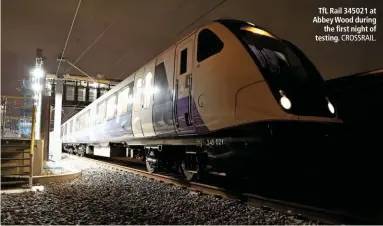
column 219, row 101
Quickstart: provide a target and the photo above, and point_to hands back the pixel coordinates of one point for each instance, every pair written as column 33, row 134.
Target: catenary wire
column 67, row 39
column 83, row 53
column 94, row 42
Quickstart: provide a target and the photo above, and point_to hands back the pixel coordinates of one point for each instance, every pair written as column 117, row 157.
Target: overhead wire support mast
column 61, row 58
column 75, row 107
column 56, row 139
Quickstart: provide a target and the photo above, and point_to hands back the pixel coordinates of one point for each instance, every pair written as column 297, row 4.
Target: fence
column 16, row 117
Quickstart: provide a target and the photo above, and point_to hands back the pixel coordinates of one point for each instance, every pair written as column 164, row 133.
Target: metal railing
column 16, row 117
column 17, row 140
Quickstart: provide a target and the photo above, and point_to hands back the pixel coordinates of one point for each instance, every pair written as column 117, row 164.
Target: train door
column 147, row 105
column 137, row 103
column 163, row 117
column 183, row 86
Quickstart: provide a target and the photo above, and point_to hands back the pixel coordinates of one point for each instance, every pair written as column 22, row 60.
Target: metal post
column 2, row 116
column 56, row 140
column 32, row 147
column 39, row 64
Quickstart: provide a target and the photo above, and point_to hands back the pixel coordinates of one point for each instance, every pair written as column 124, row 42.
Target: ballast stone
column 105, row 196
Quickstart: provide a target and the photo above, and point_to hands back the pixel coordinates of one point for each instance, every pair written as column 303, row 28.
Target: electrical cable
column 121, row 57
column 94, row 42
column 83, row 53
column 199, row 18
column 203, row 15
column 67, row 39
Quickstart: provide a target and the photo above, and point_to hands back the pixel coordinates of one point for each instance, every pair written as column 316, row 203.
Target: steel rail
column 324, row 216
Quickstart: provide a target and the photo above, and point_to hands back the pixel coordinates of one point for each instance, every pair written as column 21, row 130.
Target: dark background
column 141, row 29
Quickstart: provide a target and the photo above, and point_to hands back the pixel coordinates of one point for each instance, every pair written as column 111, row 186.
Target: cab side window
column 209, row 44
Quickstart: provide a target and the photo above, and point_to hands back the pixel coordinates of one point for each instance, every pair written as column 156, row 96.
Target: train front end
column 288, row 113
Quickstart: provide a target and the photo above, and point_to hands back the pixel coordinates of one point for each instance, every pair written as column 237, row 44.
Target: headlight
column 285, row 102
column 330, row 107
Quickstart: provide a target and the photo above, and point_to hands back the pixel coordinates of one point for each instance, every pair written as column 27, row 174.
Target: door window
column 184, row 60
column 148, row 89
column 139, row 92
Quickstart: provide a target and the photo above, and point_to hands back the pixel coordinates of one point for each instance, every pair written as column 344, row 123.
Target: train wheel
column 151, row 162
column 188, row 175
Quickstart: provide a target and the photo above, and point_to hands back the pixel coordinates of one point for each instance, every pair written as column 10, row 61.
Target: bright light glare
column 285, row 102
column 331, row 107
column 36, row 97
column 258, row 31
column 130, row 99
column 38, row 72
column 36, row 87
column 95, row 84
column 151, row 90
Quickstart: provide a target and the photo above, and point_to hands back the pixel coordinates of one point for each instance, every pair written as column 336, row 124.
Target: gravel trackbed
column 107, row 196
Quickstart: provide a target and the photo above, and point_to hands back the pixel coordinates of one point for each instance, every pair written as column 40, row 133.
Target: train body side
column 182, row 93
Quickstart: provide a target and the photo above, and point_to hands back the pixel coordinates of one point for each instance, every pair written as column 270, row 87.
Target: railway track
column 305, row 212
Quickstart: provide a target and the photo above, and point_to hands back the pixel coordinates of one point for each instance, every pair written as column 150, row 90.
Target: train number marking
column 213, row 142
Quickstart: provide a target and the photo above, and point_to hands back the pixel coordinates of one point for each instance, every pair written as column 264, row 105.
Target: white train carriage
column 227, row 85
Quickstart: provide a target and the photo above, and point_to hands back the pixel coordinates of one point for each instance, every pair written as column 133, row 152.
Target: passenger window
column 123, row 98
column 87, row 119
column 101, row 112
column 80, row 122
column 184, row 59
column 70, row 127
column 81, row 118
column 92, row 117
column 209, row 44
column 111, row 107
column 77, row 125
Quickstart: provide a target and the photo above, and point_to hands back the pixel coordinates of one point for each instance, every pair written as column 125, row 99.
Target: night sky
column 136, row 31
